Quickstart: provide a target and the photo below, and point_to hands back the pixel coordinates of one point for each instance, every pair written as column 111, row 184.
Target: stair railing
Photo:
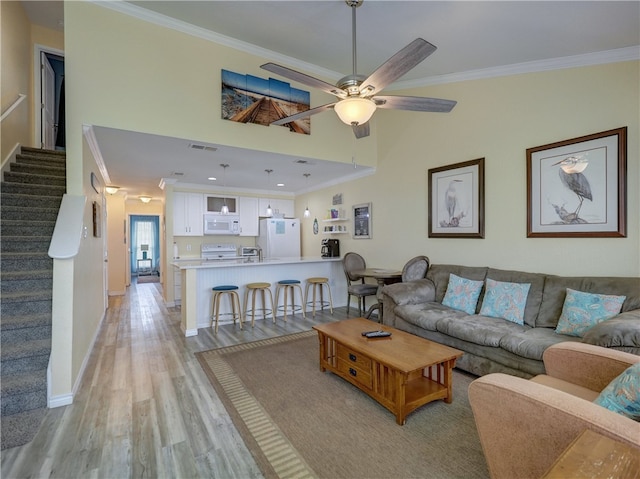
column 69, row 230
column 15, row 104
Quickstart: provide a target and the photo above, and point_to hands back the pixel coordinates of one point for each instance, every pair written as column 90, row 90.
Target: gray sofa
column 496, row 345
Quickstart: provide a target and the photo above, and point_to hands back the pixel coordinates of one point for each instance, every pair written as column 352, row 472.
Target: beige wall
column 15, row 76
column 497, row 119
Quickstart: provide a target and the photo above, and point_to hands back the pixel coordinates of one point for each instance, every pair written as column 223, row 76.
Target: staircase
column 30, row 197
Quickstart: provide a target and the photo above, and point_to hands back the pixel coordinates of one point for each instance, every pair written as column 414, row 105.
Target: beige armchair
column 525, row 425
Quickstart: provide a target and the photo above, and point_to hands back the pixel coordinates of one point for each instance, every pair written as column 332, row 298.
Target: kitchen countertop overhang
column 197, row 263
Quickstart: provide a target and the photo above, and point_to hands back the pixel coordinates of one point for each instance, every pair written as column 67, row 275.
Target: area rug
column 300, row 422
column 150, row 278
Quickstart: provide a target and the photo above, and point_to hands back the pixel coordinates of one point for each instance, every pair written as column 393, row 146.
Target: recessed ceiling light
column 280, row 184
column 212, row 178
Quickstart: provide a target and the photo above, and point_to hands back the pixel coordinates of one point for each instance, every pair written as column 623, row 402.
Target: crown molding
column 183, row 27
column 92, row 141
column 575, row 61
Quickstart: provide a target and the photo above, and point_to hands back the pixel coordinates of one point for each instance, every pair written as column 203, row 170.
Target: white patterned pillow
column 505, row 300
column 581, row 311
column 462, row 294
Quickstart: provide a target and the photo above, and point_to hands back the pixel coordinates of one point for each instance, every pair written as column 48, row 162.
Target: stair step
column 19, row 429
column 25, row 261
column 9, row 323
column 24, row 392
column 25, row 356
column 26, row 280
column 22, row 212
column 33, row 189
column 29, row 178
column 27, row 228
column 25, row 296
column 38, row 169
column 31, row 201
column 33, row 244
column 25, row 328
column 30, row 150
column 44, row 160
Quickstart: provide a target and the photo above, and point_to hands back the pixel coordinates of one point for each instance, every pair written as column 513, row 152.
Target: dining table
column 382, row 276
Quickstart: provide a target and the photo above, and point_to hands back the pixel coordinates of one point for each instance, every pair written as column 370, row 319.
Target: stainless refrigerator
column 279, row 237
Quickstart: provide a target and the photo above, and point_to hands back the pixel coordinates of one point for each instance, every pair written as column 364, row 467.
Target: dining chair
column 415, row 268
column 355, row 284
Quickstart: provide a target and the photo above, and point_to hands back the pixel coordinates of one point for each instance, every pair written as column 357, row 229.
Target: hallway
column 145, row 407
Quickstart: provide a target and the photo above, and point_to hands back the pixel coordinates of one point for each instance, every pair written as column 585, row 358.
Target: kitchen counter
column 189, row 263
column 199, row 276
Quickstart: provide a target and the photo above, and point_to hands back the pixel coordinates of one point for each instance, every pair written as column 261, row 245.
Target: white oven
column 221, row 224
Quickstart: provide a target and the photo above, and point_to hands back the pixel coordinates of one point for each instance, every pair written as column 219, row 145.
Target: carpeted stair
column 30, row 197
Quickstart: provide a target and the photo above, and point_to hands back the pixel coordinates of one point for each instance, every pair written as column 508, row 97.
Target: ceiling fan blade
column 361, row 130
column 304, row 79
column 396, row 66
column 414, row 103
column 303, row 114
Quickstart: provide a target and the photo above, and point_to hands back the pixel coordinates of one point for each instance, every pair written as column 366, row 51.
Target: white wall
column 497, row 119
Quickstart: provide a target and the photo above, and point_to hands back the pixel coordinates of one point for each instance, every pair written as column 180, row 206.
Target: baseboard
column 117, row 293
column 59, row 401
column 10, row 158
column 190, row 332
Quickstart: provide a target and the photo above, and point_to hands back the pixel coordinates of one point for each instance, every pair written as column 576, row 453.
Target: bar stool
column 289, row 285
column 254, row 288
column 318, row 283
column 232, row 292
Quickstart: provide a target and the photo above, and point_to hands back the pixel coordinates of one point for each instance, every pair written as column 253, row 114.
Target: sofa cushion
column 582, row 311
column 555, row 288
column 478, row 329
column 532, row 343
column 623, row 331
column 426, row 315
column 462, row 294
column 505, row 300
column 439, row 274
column 622, row 395
column 534, row 298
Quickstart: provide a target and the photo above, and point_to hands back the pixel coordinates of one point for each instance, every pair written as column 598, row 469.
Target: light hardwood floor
column 144, row 407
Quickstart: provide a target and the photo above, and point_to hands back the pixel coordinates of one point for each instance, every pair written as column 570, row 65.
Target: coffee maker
column 330, row 248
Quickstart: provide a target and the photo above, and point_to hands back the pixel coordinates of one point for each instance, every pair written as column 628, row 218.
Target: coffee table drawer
column 359, row 360
column 356, row 366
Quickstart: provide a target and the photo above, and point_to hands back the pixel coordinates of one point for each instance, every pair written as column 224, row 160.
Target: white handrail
column 13, row 107
column 65, row 242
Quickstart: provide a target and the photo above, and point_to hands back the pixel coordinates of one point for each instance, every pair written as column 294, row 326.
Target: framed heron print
column 456, row 200
column 577, row 187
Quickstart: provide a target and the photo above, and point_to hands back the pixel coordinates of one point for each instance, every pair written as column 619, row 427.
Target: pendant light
column 225, row 209
column 307, row 213
column 269, row 210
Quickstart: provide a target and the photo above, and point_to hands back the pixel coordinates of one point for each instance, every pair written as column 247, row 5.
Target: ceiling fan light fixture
column 355, row 110
column 144, row 199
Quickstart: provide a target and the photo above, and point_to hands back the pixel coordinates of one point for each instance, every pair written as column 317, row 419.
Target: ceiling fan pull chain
column 354, row 5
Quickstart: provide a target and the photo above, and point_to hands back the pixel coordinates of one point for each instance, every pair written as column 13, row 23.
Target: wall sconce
column 145, row 199
column 112, row 190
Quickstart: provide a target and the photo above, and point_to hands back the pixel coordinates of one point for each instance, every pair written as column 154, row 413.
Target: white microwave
column 216, row 224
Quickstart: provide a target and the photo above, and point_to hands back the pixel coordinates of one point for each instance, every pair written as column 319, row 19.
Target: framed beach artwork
column 577, row 187
column 456, row 200
column 250, row 99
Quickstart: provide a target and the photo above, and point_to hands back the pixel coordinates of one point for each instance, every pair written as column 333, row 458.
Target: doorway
column 145, row 246
column 50, row 131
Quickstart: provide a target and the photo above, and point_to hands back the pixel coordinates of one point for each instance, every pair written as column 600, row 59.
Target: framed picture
column 362, row 221
column 96, row 219
column 456, row 200
column 577, row 187
column 95, row 183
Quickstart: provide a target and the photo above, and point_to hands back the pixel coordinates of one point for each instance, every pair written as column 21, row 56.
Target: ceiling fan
column 357, row 94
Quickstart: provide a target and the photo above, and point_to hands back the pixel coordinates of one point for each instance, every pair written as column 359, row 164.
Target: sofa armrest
column 622, row 331
column 410, row 292
column 525, row 426
column 589, row 366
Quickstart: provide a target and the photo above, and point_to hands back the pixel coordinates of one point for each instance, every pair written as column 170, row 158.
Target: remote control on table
column 378, row 334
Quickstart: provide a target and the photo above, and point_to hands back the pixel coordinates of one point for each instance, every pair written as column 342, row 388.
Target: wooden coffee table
column 401, row 372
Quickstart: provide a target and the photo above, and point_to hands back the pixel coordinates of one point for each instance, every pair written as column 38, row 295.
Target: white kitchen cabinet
column 279, row 206
column 248, row 216
column 188, row 215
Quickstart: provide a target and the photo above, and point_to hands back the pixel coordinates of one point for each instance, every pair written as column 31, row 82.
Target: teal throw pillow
column 462, row 294
column 582, row 311
column 622, row 395
column 505, row 300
